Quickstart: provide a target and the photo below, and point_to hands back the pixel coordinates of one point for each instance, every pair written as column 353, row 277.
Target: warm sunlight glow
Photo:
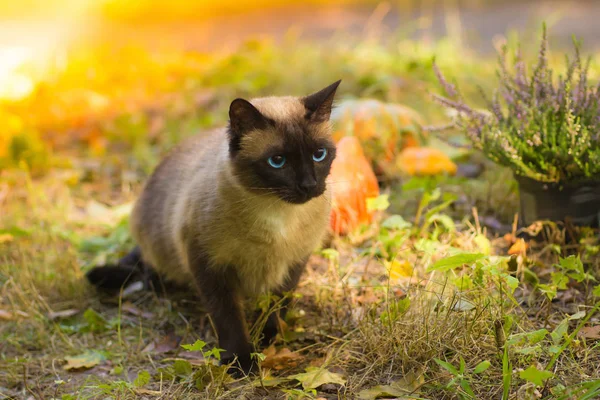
column 14, row 85
column 30, row 38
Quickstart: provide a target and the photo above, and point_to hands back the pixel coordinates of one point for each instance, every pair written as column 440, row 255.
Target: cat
column 237, row 212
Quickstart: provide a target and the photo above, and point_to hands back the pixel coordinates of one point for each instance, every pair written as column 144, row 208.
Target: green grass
column 423, row 330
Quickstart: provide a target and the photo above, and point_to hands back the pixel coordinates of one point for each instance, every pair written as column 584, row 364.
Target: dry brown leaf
column 148, row 392
column 6, row 315
column 317, row 362
column 165, row 344
column 590, row 332
column 520, row 247
column 281, row 359
column 131, row 309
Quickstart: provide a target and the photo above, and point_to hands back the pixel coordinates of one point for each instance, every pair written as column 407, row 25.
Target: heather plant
column 542, row 126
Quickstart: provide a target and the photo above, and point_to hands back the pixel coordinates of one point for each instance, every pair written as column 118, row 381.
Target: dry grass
column 337, row 323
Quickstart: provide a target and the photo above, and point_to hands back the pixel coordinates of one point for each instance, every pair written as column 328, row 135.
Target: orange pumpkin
column 352, row 182
column 383, row 128
column 425, row 161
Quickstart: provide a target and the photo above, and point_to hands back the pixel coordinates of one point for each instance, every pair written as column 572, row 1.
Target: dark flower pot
column 579, row 203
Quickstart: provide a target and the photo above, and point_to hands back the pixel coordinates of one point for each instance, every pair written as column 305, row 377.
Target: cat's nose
column 308, row 185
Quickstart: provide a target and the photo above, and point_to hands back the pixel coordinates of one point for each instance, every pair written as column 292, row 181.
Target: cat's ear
column 319, row 104
column 244, row 117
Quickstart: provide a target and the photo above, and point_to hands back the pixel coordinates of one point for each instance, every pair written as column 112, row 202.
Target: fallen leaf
column 315, row 377
column 408, row 385
column 281, row 359
column 86, row 360
column 52, row 315
column 148, row 392
column 6, row 315
column 399, row 269
column 520, row 247
column 6, row 238
column 165, row 344
column 131, row 309
column 590, row 332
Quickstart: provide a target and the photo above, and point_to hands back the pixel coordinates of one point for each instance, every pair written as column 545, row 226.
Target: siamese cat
column 237, row 212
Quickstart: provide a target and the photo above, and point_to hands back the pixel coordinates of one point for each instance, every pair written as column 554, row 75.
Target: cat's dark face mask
column 283, row 146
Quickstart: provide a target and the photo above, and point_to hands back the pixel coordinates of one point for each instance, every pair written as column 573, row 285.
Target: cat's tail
column 129, row 269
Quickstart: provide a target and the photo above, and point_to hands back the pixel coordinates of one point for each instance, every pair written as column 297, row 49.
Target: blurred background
column 83, row 81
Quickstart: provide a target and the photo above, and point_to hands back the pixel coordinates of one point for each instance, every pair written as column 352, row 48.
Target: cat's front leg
column 221, row 296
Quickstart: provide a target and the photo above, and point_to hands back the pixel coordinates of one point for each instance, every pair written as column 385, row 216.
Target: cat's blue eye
column 320, row 155
column 276, row 161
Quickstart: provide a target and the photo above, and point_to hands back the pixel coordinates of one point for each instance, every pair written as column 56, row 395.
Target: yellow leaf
column 86, row 360
column 315, row 377
column 6, row 237
column 399, row 269
column 484, row 244
column 520, row 247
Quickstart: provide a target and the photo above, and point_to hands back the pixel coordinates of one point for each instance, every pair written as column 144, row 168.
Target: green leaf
column 379, row 203
column 182, row 368
column 577, row 315
column 596, row 291
column 330, row 254
column 444, row 220
column 315, row 377
column 560, row 331
column 560, row 280
column 214, row 352
column 512, row 282
column 464, row 384
column 571, row 263
column 396, row 222
column 455, row 261
column 506, row 374
column 95, row 321
column 548, row 290
column 482, row 366
column 142, row 379
column 197, row 346
column 447, row 366
column 535, row 376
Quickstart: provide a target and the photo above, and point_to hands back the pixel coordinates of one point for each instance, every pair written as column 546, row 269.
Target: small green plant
column 570, row 268
column 546, row 127
column 462, row 376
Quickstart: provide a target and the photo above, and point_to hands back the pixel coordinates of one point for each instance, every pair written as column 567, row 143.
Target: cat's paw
column 241, row 366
